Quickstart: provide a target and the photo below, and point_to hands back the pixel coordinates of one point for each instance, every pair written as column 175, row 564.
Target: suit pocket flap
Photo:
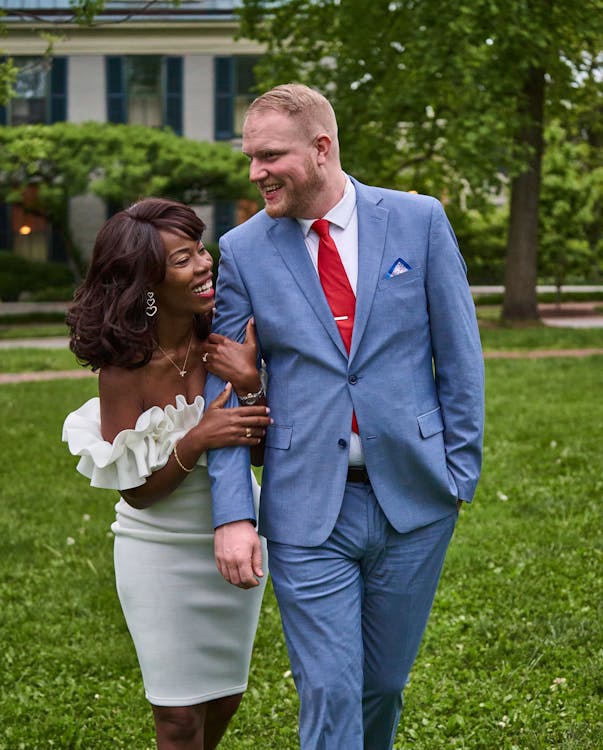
column 431, row 423
column 278, row 436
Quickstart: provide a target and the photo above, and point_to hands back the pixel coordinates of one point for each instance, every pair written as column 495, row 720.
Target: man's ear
column 322, row 143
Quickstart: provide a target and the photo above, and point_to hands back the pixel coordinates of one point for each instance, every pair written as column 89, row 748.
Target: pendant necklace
column 181, row 371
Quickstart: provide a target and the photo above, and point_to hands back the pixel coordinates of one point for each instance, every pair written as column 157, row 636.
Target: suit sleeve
column 229, row 468
column 457, row 354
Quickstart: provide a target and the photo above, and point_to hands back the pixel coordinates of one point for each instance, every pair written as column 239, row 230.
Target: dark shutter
column 116, row 90
column 173, row 94
column 223, row 98
column 58, row 90
column 5, row 233
column 224, row 218
column 57, row 252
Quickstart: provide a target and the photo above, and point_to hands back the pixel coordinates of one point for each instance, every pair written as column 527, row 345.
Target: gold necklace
column 181, row 371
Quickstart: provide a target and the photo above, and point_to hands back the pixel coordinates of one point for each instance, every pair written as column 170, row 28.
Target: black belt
column 358, row 474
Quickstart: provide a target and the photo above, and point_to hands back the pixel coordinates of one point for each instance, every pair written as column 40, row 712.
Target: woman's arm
column 219, row 427
column 233, row 362
column 237, row 364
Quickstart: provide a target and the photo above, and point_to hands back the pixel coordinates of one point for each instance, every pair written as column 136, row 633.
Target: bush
column 37, row 280
column 483, row 240
column 63, row 293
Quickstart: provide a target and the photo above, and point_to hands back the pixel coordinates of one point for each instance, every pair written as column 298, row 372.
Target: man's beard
column 297, row 202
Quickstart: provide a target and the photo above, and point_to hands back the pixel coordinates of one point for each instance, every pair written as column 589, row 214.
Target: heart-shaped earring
column 151, row 308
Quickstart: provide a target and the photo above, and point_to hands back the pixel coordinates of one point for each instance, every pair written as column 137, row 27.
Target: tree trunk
column 520, row 299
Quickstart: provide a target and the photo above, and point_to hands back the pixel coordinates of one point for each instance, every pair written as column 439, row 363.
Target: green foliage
column 33, row 316
column 18, row 275
column 8, row 76
column 571, row 208
column 511, row 659
column 132, row 161
column 439, row 97
column 427, row 94
column 482, row 237
column 120, row 163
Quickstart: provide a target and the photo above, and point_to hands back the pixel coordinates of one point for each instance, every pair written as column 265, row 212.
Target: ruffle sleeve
column 135, row 453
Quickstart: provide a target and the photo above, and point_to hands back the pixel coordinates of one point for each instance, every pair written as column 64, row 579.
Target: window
column 145, row 90
column 143, row 84
column 31, row 92
column 40, row 92
column 234, row 83
column 40, row 98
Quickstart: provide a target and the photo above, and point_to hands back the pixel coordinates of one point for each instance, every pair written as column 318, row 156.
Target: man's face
column 283, row 164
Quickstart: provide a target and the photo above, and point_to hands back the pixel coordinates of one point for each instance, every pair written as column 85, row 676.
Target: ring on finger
column 248, row 432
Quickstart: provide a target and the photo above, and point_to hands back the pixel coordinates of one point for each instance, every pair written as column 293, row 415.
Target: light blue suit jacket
column 414, row 375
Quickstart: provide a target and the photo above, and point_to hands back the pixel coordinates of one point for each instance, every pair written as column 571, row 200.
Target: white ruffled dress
column 193, row 632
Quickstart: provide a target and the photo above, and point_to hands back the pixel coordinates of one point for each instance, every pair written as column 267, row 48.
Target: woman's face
column 187, row 288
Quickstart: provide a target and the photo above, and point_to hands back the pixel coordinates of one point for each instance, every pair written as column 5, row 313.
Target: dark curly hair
column 107, row 319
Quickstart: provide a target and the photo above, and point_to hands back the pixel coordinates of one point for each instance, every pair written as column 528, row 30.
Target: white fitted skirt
column 193, row 632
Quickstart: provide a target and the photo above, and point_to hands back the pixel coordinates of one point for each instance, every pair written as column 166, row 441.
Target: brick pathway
column 31, row 377
column 542, row 353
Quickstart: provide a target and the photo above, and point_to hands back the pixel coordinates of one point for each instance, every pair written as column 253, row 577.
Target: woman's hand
column 217, row 428
column 233, row 362
column 221, row 427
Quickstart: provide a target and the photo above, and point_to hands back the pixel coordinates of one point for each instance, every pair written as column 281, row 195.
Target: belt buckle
column 358, row 475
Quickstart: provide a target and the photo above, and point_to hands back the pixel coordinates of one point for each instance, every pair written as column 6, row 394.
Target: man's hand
column 239, row 554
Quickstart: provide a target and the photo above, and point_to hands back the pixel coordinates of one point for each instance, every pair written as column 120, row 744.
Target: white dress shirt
column 343, row 220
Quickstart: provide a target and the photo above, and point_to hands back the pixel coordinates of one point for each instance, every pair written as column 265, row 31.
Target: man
column 375, row 439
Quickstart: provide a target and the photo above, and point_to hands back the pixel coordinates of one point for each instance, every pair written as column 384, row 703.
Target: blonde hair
column 308, row 106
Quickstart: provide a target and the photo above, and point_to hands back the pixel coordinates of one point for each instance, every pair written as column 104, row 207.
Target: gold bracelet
column 179, row 462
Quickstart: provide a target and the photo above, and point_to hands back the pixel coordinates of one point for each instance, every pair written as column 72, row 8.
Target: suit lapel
column 372, row 231
column 287, row 238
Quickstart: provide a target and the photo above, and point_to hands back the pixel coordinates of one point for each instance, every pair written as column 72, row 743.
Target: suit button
column 353, row 379
column 342, row 443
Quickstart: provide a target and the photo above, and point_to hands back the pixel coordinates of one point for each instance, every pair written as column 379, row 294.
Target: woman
column 141, row 318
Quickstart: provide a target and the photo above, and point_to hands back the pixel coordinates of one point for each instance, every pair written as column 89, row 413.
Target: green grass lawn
column 494, row 338
column 33, row 330
column 512, row 658
column 540, row 337
column 28, row 359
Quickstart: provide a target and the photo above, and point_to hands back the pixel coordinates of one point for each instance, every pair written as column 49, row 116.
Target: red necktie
column 336, row 286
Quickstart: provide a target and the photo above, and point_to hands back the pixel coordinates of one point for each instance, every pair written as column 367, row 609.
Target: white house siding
column 198, row 96
column 86, row 94
column 87, row 213
column 197, row 41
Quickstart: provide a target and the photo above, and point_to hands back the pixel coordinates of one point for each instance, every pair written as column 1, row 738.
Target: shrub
column 37, row 280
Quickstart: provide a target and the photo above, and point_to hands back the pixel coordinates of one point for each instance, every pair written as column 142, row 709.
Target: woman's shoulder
column 122, row 399
column 112, row 375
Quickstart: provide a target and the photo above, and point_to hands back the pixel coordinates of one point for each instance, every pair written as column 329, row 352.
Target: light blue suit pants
column 354, row 611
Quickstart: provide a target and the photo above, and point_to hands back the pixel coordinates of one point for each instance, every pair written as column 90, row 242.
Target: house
column 138, row 62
